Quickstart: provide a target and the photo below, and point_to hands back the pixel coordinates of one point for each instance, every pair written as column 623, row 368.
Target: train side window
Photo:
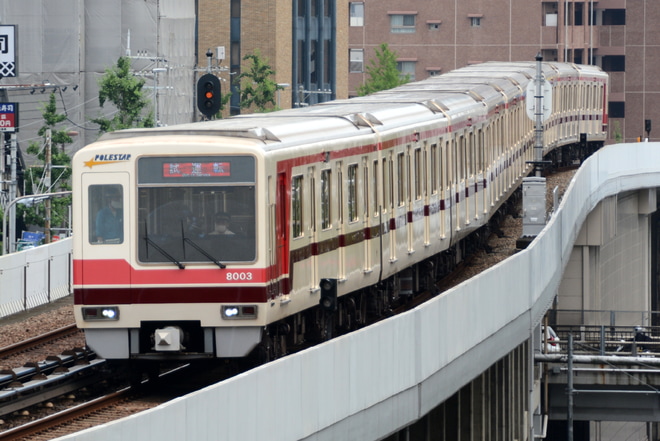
column 434, row 168
column 374, row 190
column 296, row 206
column 326, row 198
column 365, row 190
column 352, row 192
column 106, row 214
column 387, row 191
column 401, row 172
column 418, row 173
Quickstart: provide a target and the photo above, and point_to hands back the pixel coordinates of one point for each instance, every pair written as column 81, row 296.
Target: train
column 244, row 237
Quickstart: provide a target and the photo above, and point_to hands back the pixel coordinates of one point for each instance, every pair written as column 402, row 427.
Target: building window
column 475, row 22
column 433, row 25
column 406, row 68
column 614, row 17
column 357, row 13
column 614, row 63
column 356, row 63
column 402, row 23
column 616, row 109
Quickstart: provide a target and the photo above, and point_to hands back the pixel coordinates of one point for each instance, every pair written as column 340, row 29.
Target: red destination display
column 196, row 169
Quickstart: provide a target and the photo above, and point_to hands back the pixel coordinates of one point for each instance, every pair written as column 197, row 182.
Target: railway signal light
column 328, row 300
column 208, row 95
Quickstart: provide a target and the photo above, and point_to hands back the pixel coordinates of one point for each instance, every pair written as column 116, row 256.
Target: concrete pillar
column 479, row 394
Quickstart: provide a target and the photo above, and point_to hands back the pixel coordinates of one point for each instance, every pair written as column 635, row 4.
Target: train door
column 273, row 261
column 280, row 266
column 303, row 244
column 416, row 216
column 445, row 194
column 426, row 190
column 399, row 213
column 385, row 209
column 366, row 221
column 341, row 219
column 107, row 249
column 325, row 234
column 314, row 240
column 460, row 212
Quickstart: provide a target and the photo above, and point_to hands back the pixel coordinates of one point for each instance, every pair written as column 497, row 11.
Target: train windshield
column 193, row 209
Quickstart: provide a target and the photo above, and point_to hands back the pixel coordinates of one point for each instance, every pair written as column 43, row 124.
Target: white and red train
column 335, row 211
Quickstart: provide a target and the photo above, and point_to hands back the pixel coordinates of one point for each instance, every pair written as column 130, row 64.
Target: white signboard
column 8, row 51
column 546, row 91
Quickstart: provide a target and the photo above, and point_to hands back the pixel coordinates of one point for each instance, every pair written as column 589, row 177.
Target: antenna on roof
column 128, row 43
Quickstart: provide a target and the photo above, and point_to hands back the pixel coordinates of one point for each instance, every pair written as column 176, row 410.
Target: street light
column 281, row 86
column 5, row 246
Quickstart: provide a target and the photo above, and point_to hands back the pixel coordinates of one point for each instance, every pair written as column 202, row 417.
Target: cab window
column 106, row 214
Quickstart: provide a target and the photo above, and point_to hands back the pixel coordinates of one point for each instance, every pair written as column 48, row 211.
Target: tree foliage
column 60, row 173
column 257, row 87
column 382, row 72
column 123, row 89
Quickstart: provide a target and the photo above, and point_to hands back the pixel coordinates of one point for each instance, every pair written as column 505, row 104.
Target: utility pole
column 534, row 187
column 13, row 146
column 47, row 182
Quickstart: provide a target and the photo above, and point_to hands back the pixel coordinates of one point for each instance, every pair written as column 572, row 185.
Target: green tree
column 60, row 172
column 123, row 89
column 257, row 87
column 382, row 72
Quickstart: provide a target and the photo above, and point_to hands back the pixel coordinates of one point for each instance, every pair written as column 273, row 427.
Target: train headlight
column 239, row 312
column 92, row 313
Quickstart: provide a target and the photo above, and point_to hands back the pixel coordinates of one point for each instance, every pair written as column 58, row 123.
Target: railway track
column 172, row 383
column 56, row 375
column 51, row 422
column 40, row 340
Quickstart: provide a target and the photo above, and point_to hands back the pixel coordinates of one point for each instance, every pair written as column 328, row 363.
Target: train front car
column 165, row 252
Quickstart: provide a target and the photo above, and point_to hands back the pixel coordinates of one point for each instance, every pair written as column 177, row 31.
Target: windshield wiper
column 207, row 255
column 160, row 250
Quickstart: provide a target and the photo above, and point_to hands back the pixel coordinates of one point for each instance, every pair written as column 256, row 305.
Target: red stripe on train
column 120, row 272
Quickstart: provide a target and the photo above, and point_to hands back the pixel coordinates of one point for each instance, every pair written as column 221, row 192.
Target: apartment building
column 435, row 37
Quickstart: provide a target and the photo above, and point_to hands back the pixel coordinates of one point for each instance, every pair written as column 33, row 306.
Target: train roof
column 448, row 97
column 309, row 124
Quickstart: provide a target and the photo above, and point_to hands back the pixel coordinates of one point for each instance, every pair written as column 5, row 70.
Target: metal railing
column 608, row 340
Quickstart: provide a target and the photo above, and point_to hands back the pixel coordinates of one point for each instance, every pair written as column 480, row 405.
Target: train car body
column 331, row 209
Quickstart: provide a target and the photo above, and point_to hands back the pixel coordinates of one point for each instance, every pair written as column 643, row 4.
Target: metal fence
column 609, row 340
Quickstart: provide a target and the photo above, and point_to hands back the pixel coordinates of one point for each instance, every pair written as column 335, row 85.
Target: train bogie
column 262, row 231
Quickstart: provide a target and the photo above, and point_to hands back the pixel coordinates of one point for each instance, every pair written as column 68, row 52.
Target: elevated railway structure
column 470, row 363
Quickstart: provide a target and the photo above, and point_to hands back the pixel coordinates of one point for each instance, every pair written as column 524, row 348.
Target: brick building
column 300, row 40
column 316, row 46
column 435, row 37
